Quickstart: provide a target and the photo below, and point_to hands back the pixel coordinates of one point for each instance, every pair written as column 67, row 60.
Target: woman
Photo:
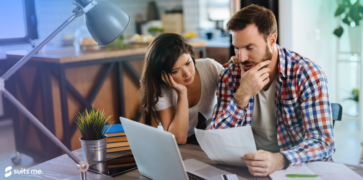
column 176, row 88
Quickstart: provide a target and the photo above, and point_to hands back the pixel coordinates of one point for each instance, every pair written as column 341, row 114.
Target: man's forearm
column 279, row 161
column 241, row 99
column 284, row 161
column 299, row 154
column 226, row 114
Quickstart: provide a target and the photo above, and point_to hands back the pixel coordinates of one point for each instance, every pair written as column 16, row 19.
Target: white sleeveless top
column 209, row 71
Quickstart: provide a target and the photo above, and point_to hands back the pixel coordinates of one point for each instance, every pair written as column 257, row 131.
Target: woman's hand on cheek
column 233, row 60
column 168, row 79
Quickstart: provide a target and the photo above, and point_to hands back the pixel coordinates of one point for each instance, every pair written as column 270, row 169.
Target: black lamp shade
column 106, row 22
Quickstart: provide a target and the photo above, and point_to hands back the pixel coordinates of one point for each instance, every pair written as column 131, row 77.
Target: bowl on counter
column 89, row 46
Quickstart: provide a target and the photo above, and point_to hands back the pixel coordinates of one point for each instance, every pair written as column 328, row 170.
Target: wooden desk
column 59, row 83
column 63, row 167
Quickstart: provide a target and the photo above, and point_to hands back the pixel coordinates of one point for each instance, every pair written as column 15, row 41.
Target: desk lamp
column 105, row 22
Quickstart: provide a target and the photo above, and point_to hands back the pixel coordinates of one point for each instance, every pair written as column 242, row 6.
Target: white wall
column 306, row 27
column 285, row 23
column 191, row 15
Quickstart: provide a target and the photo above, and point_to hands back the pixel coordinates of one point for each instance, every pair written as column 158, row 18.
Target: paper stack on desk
column 227, row 146
column 324, row 170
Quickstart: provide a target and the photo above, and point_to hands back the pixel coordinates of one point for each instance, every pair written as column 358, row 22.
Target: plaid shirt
column 303, row 112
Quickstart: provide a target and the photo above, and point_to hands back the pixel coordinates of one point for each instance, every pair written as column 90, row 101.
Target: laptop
column 157, row 155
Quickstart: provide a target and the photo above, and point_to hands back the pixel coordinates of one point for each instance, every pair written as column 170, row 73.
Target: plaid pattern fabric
column 303, row 112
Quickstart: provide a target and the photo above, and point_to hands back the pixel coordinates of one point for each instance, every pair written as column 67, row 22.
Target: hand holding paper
column 264, row 162
column 227, row 146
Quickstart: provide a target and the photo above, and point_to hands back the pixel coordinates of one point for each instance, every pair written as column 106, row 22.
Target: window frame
column 31, row 25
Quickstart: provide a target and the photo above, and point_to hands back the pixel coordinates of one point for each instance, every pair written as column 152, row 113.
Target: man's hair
column 262, row 17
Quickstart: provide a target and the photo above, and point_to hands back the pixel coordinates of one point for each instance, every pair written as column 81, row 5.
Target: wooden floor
column 347, row 138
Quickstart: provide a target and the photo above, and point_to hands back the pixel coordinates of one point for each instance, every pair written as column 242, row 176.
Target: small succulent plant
column 92, row 124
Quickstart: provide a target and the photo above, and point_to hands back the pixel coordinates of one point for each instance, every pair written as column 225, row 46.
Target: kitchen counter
column 69, row 54
column 221, row 42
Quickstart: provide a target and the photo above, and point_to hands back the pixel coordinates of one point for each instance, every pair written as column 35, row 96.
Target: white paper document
column 324, row 170
column 227, row 146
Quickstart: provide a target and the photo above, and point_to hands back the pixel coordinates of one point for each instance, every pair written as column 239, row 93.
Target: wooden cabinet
column 220, row 54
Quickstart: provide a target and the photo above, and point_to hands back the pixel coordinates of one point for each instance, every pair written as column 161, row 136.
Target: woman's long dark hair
column 160, row 56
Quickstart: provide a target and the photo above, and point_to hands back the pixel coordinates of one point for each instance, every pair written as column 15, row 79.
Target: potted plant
column 351, row 14
column 155, row 31
column 354, row 96
column 92, row 125
column 118, row 43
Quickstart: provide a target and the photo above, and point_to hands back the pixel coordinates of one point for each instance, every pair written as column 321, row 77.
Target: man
column 282, row 95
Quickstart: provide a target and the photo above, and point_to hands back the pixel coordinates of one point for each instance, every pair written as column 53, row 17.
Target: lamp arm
column 79, row 11
column 38, row 124
column 25, row 59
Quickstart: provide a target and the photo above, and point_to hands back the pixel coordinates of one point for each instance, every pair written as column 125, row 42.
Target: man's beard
column 268, row 54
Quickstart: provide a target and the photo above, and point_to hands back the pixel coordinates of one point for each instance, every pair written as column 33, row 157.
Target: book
column 117, row 144
column 115, row 128
column 115, row 134
column 116, row 139
column 125, row 148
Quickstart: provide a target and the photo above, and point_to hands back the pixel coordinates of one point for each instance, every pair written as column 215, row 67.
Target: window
column 17, row 21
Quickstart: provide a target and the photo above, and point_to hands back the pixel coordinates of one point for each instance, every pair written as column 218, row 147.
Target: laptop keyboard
column 194, row 177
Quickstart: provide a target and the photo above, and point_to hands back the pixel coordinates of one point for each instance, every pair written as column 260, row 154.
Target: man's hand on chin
column 263, row 162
